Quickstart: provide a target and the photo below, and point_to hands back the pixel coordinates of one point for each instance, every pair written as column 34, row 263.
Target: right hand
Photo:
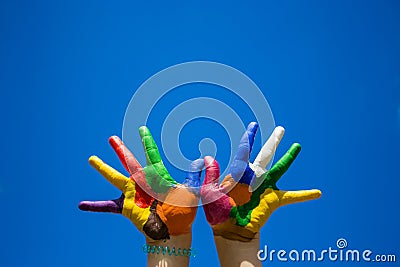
column 232, row 208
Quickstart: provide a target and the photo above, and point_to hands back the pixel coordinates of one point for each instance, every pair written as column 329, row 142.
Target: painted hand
column 151, row 199
column 234, row 210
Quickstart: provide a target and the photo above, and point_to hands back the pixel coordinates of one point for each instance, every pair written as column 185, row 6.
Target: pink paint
column 218, row 210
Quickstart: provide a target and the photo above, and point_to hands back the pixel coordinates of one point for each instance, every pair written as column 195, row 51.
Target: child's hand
column 233, row 209
column 174, row 211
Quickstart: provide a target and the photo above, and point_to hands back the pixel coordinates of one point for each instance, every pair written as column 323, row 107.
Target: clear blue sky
column 330, row 71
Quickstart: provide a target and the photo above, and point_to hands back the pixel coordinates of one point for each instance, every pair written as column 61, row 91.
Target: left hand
column 174, row 211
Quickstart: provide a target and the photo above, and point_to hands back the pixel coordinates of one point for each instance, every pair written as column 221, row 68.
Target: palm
column 245, row 211
column 141, row 192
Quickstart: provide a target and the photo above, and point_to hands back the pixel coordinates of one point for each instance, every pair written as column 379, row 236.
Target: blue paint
column 239, row 168
column 193, row 176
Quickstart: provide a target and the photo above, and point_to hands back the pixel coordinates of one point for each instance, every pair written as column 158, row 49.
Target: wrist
column 238, row 253
column 175, row 251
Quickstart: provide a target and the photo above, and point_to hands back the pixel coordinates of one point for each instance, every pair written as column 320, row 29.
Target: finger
column 241, row 159
column 113, row 176
column 247, row 176
column 157, row 175
column 133, row 167
column 114, row 206
column 267, row 151
column 194, row 173
column 212, row 170
column 283, row 163
column 251, row 134
column 149, row 145
column 124, row 154
column 246, row 143
column 290, row 197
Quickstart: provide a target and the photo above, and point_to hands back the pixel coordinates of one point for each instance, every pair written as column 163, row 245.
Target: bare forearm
column 237, row 253
column 165, row 259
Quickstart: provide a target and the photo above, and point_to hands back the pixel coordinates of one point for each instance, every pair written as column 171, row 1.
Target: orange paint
column 240, row 194
column 179, row 216
column 237, row 191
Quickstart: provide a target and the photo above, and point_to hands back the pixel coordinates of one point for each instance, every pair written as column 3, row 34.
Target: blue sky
column 330, row 72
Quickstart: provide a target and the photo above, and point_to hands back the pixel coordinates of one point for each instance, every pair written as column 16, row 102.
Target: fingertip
column 252, row 127
column 279, row 130
column 295, row 148
column 143, row 131
column 196, row 165
column 212, row 170
column 317, row 193
column 208, row 160
column 94, row 160
column 313, row 194
column 194, row 173
column 83, row 205
column 114, row 140
column 297, row 145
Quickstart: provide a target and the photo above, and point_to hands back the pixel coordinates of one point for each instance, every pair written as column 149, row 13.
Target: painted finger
column 194, row 174
column 290, row 197
column 155, row 167
column 283, row 164
column 113, row 176
column 150, row 148
column 131, row 164
column 241, row 160
column 267, row 151
column 124, row 154
column 113, row 206
column 212, row 170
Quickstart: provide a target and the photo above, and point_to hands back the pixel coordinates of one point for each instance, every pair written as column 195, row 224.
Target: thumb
column 212, row 170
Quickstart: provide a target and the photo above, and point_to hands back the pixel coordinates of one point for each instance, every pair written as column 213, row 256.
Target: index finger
column 283, row 164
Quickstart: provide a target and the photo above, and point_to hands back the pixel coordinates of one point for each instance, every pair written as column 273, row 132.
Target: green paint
column 158, row 179
column 157, row 176
column 279, row 168
column 242, row 214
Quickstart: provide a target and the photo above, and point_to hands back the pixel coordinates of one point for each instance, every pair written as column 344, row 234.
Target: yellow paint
column 138, row 216
column 112, row 175
column 272, row 199
column 269, row 201
column 230, row 230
